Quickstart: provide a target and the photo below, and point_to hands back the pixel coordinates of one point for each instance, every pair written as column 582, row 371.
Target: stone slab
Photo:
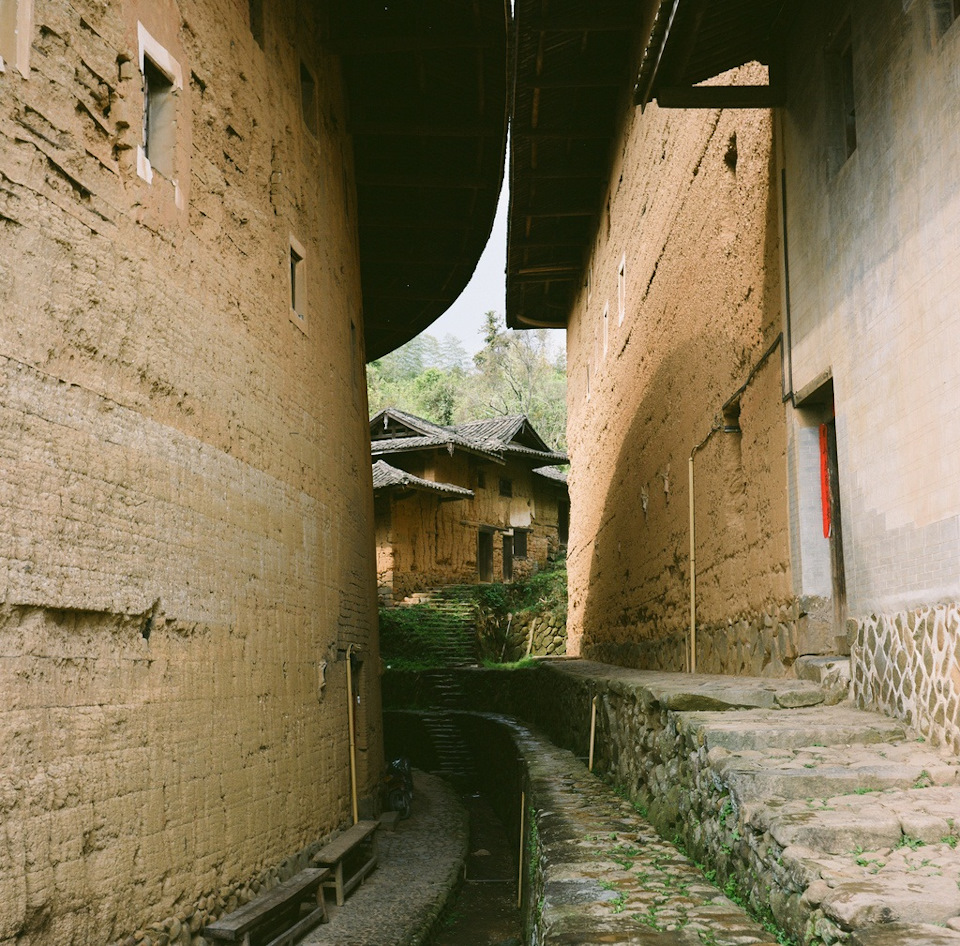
column 683, row 691
column 857, row 904
column 765, row 729
column 903, row 934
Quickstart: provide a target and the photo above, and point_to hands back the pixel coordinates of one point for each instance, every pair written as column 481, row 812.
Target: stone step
column 815, row 726
column 923, row 817
column 822, row 772
column 903, row 934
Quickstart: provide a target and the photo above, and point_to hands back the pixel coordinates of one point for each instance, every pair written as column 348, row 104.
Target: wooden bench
column 279, row 905
column 359, row 840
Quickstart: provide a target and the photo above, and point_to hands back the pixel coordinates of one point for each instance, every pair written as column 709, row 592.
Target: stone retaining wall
column 908, row 664
column 541, row 634
column 761, row 643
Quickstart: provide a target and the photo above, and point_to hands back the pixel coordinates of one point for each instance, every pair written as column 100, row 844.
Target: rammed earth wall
column 186, row 539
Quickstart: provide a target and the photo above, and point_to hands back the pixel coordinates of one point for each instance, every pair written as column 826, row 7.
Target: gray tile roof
column 552, row 473
column 492, row 437
column 386, row 477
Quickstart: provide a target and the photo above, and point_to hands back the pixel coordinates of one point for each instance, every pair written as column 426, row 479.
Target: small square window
column 506, row 487
column 159, row 119
column 162, row 82
column 622, row 290
column 842, row 93
column 16, row 26
column 298, row 281
column 308, row 99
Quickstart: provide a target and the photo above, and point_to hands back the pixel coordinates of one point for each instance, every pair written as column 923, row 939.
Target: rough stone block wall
column 908, row 665
column 184, row 470
column 689, row 205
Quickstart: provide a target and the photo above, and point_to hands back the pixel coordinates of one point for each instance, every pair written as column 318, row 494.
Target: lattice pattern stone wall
column 908, row 664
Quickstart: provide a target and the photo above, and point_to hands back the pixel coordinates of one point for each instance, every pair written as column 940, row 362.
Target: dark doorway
column 819, row 409
column 832, row 523
column 485, row 555
column 507, row 557
column 563, row 521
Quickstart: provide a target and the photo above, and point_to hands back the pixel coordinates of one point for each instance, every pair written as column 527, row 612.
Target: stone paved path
column 420, row 864
column 842, row 820
column 607, row 877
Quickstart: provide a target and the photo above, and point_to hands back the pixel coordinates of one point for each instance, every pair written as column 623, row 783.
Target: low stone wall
column 908, row 664
column 766, row 644
column 536, row 635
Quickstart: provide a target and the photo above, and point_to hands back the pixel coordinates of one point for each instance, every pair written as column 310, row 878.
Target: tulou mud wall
column 666, row 350
column 187, row 526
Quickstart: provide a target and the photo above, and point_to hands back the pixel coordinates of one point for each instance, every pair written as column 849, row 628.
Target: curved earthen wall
column 184, row 465
column 692, row 226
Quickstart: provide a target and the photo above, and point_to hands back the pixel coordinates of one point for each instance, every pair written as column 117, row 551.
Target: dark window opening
column 308, row 99
column 563, row 521
column 159, row 119
column 848, row 105
column 731, row 417
column 256, row 21
column 481, row 479
column 519, row 543
column 506, row 487
column 296, row 283
column 944, row 14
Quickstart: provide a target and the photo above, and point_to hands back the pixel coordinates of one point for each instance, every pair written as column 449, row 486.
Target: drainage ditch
column 485, row 911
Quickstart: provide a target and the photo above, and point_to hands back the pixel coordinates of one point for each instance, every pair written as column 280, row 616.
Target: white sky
column 485, row 291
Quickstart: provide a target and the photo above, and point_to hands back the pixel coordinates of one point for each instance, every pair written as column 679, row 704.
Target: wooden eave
column 575, row 62
column 696, row 40
column 426, row 86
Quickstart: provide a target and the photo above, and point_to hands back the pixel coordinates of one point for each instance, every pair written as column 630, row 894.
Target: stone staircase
column 842, row 824
column 455, row 761
column 456, row 626
column 443, row 688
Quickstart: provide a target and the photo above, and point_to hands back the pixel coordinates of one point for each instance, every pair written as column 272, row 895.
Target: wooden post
column 523, row 805
column 593, row 732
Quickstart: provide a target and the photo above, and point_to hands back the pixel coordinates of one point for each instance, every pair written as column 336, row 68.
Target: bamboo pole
column 593, row 732
column 523, row 807
column 353, row 738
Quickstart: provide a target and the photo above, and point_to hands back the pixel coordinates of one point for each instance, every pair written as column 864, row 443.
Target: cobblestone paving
column 419, row 866
column 607, row 877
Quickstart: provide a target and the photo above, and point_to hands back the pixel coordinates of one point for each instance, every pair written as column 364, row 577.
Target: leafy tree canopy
column 514, row 373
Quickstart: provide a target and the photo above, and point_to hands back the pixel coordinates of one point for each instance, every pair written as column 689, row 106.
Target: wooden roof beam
column 405, row 129
column 417, row 179
column 378, row 45
column 721, row 96
column 577, row 82
column 578, row 23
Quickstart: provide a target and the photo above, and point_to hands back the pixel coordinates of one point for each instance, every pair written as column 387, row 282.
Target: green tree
column 514, row 373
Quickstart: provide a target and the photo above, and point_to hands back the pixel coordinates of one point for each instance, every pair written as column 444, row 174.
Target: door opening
column 507, row 557
column 485, row 555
